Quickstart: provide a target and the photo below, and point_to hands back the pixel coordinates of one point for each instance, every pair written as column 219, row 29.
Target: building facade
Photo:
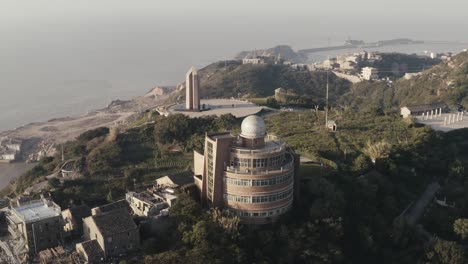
column 252, row 175
column 192, row 83
column 114, row 231
column 370, row 73
column 38, row 223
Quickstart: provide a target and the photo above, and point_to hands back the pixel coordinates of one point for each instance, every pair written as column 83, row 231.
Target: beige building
column 112, row 228
column 427, row 109
column 145, row 203
column 370, row 73
column 253, row 175
column 192, row 85
column 37, row 223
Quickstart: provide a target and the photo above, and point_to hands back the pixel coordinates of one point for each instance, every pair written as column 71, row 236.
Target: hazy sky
column 15, row 10
column 61, row 57
column 336, row 19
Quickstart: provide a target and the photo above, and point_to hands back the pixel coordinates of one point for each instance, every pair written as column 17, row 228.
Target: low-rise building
column 90, row 251
column 38, row 223
column 8, row 155
column 181, row 181
column 115, row 232
column 145, row 203
column 120, row 204
column 331, row 125
column 428, row 109
column 409, row 76
column 253, row 61
column 370, row 73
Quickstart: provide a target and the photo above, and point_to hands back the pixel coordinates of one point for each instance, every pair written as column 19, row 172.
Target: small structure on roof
column 425, row 109
column 331, row 126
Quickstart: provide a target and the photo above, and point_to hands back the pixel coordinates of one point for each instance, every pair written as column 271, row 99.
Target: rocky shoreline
column 43, row 137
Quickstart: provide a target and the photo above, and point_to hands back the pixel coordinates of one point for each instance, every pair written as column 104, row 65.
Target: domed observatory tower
column 253, row 175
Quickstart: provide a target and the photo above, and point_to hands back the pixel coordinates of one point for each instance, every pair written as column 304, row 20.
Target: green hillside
column 447, row 82
column 232, row 79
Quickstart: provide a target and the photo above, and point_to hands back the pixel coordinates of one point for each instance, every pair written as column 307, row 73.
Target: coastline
column 43, row 137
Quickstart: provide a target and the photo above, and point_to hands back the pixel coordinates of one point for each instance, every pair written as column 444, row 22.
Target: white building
column 9, row 155
column 253, row 61
column 370, row 73
column 409, row 76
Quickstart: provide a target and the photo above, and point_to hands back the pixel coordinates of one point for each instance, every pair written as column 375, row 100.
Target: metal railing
column 260, row 171
column 276, row 149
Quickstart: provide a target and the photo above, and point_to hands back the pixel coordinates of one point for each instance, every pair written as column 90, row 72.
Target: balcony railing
column 260, row 171
column 280, row 147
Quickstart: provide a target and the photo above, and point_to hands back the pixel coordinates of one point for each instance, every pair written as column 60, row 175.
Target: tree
column 109, row 197
column 104, row 157
column 456, row 170
column 361, row 164
column 446, row 252
column 271, row 102
column 460, row 227
column 377, row 150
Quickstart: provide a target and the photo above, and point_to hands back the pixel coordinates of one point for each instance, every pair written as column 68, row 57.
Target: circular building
column 252, row 175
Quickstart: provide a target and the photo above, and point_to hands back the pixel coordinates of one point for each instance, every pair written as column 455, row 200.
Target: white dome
column 253, row 127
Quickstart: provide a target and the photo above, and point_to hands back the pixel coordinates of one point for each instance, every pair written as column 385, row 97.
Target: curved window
column 269, row 213
column 260, row 182
column 259, row 199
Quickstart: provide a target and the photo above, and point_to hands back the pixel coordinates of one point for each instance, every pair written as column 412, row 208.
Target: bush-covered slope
column 233, row 79
column 446, row 82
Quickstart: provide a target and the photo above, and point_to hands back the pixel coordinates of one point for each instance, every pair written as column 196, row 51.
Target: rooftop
column 253, row 127
column 426, row 107
column 92, row 249
column 145, row 197
column 37, row 210
column 114, row 222
column 176, row 180
column 272, row 144
column 113, row 206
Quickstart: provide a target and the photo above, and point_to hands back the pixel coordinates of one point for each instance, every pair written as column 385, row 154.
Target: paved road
column 413, row 215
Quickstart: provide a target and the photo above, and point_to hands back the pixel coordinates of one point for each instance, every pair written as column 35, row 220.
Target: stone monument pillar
column 192, row 83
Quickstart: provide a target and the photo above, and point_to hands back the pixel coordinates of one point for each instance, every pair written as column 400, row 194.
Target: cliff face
column 286, row 52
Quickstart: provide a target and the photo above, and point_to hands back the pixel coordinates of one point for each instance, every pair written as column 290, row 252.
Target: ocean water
column 50, row 70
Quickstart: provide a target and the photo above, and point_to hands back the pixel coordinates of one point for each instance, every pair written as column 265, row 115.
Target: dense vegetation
column 348, row 213
column 374, row 167
column 446, row 82
column 232, row 79
column 397, row 64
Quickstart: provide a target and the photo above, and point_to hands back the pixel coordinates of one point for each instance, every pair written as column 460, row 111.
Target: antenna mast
column 326, row 97
column 326, row 102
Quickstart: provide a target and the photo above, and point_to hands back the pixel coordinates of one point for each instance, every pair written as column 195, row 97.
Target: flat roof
column 37, row 210
column 221, row 135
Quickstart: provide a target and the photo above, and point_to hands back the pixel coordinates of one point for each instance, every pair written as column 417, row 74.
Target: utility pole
column 326, row 98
